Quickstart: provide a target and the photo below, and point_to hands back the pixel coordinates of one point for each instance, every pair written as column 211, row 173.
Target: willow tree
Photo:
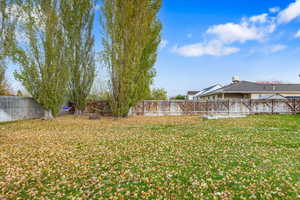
column 131, row 38
column 78, row 20
column 43, row 67
column 7, row 30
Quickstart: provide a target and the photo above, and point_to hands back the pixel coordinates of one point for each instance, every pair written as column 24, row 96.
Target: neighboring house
column 190, row 95
column 206, row 91
column 251, row 90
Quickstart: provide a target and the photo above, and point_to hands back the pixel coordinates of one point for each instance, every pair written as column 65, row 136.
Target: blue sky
column 207, row 42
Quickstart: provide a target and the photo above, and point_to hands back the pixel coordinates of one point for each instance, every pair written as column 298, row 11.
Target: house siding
column 258, row 96
column 292, row 94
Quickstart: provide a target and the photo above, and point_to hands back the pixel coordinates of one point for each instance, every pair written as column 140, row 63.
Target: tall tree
column 44, row 71
column 3, row 84
column 7, row 30
column 78, row 20
column 131, row 38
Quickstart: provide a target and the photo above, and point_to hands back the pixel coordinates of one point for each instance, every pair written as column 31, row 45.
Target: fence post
column 250, row 106
column 228, row 104
column 294, row 106
column 144, row 108
column 194, row 107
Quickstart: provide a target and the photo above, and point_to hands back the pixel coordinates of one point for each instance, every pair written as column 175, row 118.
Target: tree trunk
column 78, row 112
column 48, row 115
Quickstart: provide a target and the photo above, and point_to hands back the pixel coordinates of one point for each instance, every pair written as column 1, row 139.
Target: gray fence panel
column 19, row 108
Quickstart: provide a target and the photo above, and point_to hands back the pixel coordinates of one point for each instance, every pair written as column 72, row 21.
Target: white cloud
column 256, row 27
column 213, row 48
column 278, row 47
column 274, row 10
column 271, row 28
column 189, row 35
column 297, row 35
column 259, row 18
column 267, row 49
column 231, row 32
column 290, row 13
column 163, row 44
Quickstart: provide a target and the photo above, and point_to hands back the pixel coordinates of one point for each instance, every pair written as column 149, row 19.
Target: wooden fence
column 232, row 106
column 101, row 107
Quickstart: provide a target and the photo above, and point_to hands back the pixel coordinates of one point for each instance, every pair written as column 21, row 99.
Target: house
column 206, row 91
column 253, row 90
column 190, row 95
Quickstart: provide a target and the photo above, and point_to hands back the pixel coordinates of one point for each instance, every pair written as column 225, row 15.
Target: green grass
column 151, row 158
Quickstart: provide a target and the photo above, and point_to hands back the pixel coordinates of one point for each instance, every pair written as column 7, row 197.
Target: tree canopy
column 42, row 59
column 78, row 21
column 131, row 38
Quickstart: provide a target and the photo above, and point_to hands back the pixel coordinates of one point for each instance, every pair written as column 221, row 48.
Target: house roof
column 192, row 92
column 252, row 87
column 209, row 89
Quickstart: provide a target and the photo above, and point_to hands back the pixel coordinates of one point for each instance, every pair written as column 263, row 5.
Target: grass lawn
column 151, row 158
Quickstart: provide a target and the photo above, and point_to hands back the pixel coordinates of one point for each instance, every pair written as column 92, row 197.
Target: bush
column 158, row 94
column 179, row 97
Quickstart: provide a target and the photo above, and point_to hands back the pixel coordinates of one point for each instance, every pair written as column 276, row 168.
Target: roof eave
column 250, row 92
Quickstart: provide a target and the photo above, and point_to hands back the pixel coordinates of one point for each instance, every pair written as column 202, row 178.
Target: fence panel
column 19, row 108
column 232, row 106
column 228, row 106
